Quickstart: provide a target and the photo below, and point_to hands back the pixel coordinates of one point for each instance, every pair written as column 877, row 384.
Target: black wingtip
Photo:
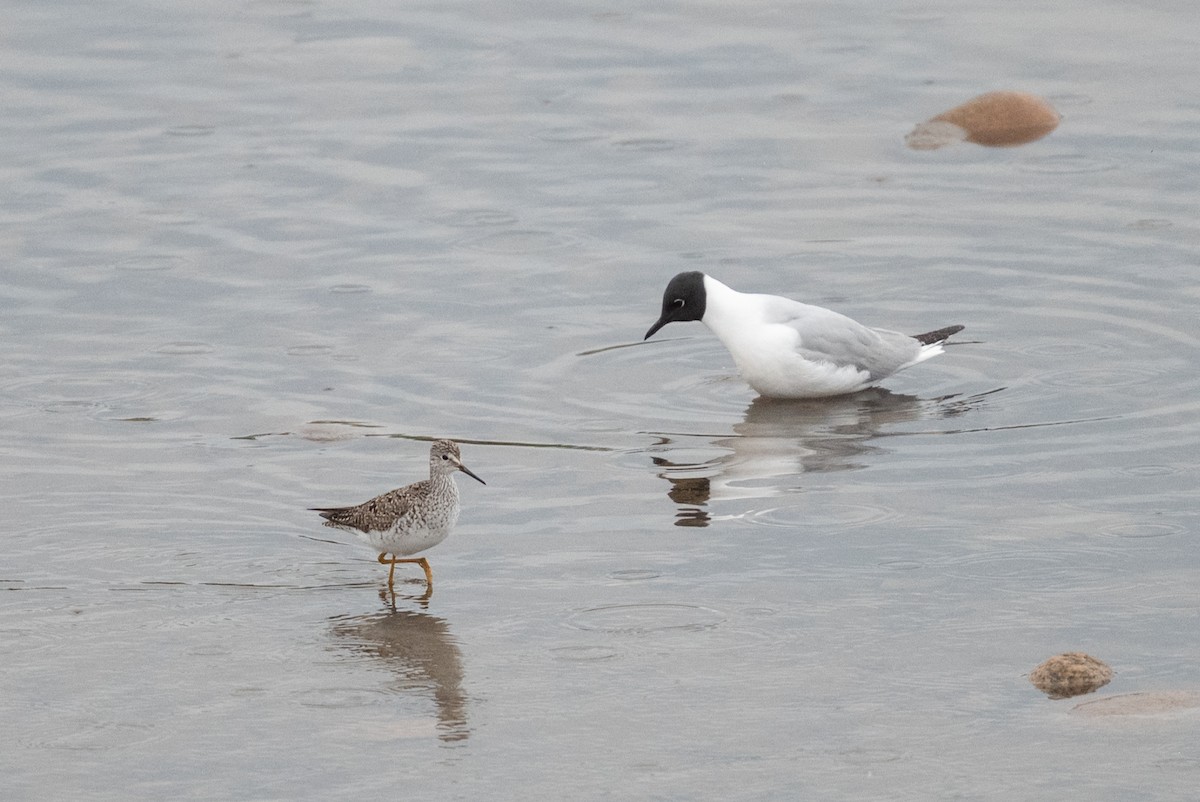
column 931, row 337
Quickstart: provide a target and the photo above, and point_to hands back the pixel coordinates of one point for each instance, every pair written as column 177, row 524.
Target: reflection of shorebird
column 779, row 440
column 409, row 520
column 421, row 651
column 786, row 349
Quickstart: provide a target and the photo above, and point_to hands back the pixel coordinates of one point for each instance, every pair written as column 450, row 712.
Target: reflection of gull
column 780, row 439
column 419, row 648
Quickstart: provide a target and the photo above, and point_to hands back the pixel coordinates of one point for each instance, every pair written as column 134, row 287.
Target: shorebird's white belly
column 410, row 535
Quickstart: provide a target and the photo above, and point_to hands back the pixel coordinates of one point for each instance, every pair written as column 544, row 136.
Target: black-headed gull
column 786, row 349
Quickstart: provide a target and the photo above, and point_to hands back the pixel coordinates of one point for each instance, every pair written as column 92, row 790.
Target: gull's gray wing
column 828, row 336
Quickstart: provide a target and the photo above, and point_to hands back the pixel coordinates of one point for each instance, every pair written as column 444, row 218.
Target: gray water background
column 255, row 254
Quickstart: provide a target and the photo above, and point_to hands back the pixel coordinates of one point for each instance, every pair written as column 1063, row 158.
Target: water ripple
column 648, row 145
column 1141, row 531
column 1046, row 570
column 152, row 262
column 518, row 242
column 640, row 619
column 583, row 654
column 185, row 348
column 836, row 516
column 476, row 218
column 1064, row 164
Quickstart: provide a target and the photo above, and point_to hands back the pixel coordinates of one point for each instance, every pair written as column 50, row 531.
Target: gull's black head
column 683, row 300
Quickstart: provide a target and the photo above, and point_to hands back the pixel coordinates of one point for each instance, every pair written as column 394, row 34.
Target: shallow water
column 256, row 254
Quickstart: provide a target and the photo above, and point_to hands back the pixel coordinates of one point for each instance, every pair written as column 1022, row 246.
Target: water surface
column 256, row 254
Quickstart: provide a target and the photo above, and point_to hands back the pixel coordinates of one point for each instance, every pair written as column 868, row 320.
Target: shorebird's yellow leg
column 391, row 571
column 421, row 561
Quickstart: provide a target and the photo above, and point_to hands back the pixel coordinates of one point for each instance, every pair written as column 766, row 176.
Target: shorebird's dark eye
column 677, row 303
column 445, row 456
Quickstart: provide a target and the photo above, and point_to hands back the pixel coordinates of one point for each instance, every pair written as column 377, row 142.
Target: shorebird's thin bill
column 467, row 471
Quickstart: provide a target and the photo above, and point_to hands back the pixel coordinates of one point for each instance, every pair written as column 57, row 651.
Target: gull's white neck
column 729, row 313
column 764, row 349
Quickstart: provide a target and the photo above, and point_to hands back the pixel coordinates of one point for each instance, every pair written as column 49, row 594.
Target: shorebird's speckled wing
column 376, row 515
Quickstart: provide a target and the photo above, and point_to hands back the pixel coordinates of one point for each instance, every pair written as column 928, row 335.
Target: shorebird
column 411, row 519
column 787, row 349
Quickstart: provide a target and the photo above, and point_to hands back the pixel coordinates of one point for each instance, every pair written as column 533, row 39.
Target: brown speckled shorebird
column 409, row 520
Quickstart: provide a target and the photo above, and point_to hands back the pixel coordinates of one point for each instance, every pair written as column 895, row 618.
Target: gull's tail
column 931, row 344
column 931, row 337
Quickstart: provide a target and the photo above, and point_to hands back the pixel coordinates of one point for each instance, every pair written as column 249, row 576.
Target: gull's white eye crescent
column 678, row 303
